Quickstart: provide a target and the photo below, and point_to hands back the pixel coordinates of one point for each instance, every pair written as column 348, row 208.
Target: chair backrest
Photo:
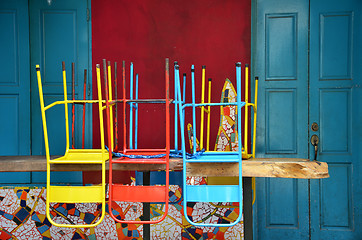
column 65, row 102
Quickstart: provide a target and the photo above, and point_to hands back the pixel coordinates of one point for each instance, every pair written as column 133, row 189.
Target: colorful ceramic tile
column 227, row 139
column 19, row 221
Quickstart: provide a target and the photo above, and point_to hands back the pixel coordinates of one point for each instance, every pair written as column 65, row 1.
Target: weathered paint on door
column 281, row 62
column 14, row 84
column 335, row 105
column 58, row 32
column 330, row 96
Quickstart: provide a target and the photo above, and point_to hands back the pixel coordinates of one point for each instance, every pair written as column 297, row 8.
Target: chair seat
column 76, row 194
column 213, row 193
column 145, row 151
column 217, row 157
column 126, row 193
column 139, row 160
column 143, row 154
column 82, row 156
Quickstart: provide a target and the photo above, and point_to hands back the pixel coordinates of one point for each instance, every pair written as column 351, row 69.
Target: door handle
column 314, row 140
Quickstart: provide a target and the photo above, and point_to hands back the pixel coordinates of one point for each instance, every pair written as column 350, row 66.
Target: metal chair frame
column 126, row 193
column 74, row 194
column 210, row 193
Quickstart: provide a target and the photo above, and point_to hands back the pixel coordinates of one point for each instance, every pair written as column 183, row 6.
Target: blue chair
column 210, row 193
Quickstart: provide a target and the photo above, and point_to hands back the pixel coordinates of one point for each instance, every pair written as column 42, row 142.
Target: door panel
column 341, row 216
column 281, row 62
column 335, row 104
column 335, row 30
column 335, row 80
column 9, row 124
column 281, row 45
column 281, row 116
column 275, row 205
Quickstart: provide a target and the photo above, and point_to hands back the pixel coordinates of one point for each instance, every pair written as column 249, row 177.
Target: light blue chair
column 210, row 193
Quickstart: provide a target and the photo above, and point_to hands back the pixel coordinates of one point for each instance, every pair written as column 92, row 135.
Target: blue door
column 297, row 90
column 58, row 32
column 281, row 62
column 14, row 84
column 335, row 105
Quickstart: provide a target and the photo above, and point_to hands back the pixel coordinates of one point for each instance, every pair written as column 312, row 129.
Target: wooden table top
column 257, row 167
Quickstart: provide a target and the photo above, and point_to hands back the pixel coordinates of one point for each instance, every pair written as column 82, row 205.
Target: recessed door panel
column 336, row 43
column 281, row 119
column 336, row 208
column 64, row 21
column 9, row 46
column 282, row 212
column 281, row 45
column 9, row 126
column 335, row 121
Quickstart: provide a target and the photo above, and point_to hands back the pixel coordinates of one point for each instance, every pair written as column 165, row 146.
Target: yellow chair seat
column 82, row 156
column 76, row 194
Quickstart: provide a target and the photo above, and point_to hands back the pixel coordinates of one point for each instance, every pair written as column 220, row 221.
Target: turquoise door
column 14, row 84
column 335, row 105
column 281, row 62
column 306, row 78
column 58, row 32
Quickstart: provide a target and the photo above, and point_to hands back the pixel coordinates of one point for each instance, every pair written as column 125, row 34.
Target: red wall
column 214, row 33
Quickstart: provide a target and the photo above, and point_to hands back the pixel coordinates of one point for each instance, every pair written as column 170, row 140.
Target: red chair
column 127, row 193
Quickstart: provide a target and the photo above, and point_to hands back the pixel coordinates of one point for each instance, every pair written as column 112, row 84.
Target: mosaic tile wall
column 22, row 216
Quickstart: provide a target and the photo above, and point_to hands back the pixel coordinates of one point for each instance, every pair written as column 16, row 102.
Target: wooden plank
column 38, row 164
column 274, row 167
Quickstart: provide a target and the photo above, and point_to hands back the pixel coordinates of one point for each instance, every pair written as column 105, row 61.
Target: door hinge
column 88, row 13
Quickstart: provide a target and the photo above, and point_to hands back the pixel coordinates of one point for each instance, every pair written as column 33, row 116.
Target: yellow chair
column 74, row 194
